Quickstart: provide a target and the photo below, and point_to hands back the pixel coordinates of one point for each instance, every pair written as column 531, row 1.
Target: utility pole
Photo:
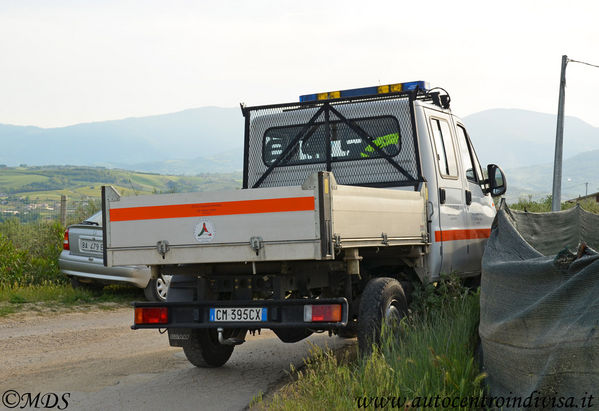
column 586, row 189
column 559, row 141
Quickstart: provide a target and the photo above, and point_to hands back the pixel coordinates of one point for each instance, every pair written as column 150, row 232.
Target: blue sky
column 65, row 62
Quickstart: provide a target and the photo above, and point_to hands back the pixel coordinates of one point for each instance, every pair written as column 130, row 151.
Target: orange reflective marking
column 273, row 205
column 453, row 235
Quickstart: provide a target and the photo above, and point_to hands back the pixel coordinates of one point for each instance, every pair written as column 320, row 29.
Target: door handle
column 468, row 197
column 442, row 196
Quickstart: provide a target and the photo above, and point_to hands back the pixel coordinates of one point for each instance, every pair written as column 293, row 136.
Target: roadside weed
column 428, row 354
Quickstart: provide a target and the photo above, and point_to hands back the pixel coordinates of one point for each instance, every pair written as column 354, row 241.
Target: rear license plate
column 91, row 245
column 254, row 314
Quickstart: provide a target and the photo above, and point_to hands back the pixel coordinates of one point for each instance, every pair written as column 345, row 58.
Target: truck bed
column 305, row 222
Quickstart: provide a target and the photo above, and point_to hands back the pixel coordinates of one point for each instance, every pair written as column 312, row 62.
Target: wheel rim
column 392, row 313
column 162, row 284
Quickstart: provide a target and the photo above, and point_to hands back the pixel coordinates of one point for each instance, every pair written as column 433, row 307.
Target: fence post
column 63, row 210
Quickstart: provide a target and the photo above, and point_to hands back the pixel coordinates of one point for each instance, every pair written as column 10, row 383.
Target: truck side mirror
column 497, row 184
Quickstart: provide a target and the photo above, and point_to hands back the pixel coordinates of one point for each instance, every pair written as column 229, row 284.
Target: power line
column 582, row 62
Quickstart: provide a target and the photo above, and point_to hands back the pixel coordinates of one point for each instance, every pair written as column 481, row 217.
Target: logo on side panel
column 204, row 231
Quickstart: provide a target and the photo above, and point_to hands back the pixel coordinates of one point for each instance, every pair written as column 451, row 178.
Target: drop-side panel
column 210, row 227
column 365, row 216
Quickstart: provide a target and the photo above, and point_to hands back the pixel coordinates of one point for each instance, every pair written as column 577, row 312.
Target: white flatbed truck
column 348, row 197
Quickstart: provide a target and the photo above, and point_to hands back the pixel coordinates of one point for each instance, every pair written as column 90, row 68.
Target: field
column 50, row 182
column 33, row 193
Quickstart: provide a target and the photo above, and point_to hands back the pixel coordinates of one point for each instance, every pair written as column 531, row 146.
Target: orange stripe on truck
column 273, row 205
column 453, row 235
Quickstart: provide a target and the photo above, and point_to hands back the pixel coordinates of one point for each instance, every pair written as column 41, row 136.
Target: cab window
column 470, row 162
column 444, row 147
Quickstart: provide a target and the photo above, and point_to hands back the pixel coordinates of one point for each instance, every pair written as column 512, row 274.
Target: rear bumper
column 93, row 269
column 281, row 314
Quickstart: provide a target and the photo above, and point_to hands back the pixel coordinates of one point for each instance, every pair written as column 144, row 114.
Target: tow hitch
column 228, row 341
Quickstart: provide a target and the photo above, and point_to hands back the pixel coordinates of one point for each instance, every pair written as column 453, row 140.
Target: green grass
column 40, row 297
column 430, row 354
column 544, row 205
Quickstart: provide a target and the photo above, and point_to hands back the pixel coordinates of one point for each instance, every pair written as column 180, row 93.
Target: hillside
column 49, row 182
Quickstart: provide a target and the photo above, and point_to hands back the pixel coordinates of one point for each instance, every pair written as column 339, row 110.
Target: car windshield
column 95, row 219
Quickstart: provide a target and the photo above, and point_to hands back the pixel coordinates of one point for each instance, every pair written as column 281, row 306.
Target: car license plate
column 91, row 245
column 253, row 314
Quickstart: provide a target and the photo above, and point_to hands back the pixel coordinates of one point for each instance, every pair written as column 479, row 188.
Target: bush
column 29, row 253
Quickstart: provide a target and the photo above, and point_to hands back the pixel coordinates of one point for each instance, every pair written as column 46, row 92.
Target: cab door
column 480, row 209
column 452, row 202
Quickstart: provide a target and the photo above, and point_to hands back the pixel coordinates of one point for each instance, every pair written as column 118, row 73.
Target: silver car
column 81, row 260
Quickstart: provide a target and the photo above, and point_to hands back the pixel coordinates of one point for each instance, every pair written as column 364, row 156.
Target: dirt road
column 96, row 358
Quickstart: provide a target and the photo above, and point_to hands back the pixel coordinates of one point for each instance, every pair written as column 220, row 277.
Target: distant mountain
column 516, row 138
column 538, row 180
column 201, row 132
column 224, row 162
column 210, row 140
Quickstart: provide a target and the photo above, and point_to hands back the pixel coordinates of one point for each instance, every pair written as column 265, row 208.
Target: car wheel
column 91, row 286
column 202, row 349
column 383, row 301
column 157, row 288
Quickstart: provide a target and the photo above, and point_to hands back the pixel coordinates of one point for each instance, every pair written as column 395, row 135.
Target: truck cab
column 348, row 198
column 425, row 141
column 461, row 205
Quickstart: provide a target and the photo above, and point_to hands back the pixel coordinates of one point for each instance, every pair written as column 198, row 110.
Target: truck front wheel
column 383, row 301
column 202, row 349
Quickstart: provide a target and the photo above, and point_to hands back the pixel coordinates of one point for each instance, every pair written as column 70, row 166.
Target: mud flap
column 178, row 336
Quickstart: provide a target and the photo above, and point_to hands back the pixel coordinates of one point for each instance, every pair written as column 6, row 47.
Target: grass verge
column 50, row 297
column 430, row 354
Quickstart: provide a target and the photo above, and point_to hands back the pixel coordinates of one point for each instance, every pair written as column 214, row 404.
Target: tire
column 91, row 286
column 157, row 288
column 203, row 349
column 383, row 300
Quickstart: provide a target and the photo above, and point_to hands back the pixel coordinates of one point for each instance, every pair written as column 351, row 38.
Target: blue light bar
column 367, row 91
column 308, row 97
column 413, row 85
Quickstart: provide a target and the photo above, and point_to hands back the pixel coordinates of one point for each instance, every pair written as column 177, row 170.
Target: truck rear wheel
column 202, row 349
column 383, row 301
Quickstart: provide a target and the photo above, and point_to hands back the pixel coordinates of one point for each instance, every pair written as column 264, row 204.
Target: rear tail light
column 65, row 243
column 151, row 315
column 322, row 313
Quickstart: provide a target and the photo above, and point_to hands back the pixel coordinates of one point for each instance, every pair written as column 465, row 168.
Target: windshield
column 346, row 144
column 95, row 219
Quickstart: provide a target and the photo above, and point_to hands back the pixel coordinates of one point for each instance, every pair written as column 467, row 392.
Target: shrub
column 29, row 253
